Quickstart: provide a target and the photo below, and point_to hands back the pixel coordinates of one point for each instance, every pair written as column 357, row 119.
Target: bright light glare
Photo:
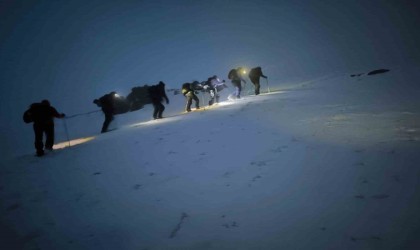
column 225, row 103
column 273, row 92
column 116, row 95
column 73, row 142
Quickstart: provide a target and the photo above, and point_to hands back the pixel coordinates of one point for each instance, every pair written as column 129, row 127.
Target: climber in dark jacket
column 188, row 90
column 213, row 86
column 42, row 115
column 157, row 93
column 254, row 76
column 106, row 102
column 236, row 79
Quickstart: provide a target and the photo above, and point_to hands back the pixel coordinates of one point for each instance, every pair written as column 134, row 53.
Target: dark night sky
column 74, row 51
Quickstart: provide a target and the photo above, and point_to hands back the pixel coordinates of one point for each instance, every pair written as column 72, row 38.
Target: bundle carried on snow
column 194, row 86
column 121, row 105
column 138, row 97
column 113, row 103
column 197, row 86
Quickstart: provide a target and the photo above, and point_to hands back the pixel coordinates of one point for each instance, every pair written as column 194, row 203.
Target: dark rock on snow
column 378, row 71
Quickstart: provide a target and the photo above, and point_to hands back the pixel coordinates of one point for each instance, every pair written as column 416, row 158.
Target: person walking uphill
column 236, row 79
column 254, row 76
column 214, row 85
column 42, row 115
column 106, row 102
column 157, row 93
column 187, row 90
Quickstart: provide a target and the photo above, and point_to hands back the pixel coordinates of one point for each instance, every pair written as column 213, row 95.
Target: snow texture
column 331, row 163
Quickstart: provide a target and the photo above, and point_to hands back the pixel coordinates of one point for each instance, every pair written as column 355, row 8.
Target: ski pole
column 66, row 130
column 268, row 87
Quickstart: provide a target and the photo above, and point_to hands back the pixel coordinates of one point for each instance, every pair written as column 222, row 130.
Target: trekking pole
column 66, row 130
column 268, row 87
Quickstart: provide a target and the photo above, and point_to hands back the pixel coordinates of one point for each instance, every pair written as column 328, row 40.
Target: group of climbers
column 42, row 114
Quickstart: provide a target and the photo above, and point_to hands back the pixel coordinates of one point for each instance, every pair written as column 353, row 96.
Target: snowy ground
column 326, row 164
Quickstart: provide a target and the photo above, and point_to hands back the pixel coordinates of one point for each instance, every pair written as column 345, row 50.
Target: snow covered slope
column 326, row 164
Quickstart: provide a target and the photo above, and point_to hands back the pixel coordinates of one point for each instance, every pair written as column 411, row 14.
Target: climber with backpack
column 236, row 79
column 188, row 90
column 42, row 115
column 213, row 86
column 254, row 76
column 157, row 93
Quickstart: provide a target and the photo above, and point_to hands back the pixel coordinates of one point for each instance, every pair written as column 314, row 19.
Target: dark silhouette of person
column 157, row 93
column 214, row 85
column 254, row 76
column 188, row 90
column 236, row 79
column 106, row 102
column 42, row 115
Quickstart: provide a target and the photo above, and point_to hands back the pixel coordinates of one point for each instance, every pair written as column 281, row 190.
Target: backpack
column 185, row 88
column 232, row 74
column 27, row 118
column 138, row 97
column 197, row 86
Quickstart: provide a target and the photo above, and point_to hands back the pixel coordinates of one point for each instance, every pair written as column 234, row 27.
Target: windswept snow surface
column 332, row 163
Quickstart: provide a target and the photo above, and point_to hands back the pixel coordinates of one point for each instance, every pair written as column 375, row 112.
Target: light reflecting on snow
column 226, row 103
column 157, row 121
column 73, row 142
